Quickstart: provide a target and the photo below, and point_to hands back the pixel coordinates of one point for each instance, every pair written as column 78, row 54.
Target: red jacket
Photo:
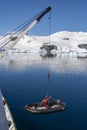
column 45, row 100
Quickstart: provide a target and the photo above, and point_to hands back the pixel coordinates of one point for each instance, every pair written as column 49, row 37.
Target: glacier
column 26, row 53
column 66, row 42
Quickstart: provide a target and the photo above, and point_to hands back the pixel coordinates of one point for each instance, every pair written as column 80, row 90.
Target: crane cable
column 49, row 45
column 47, row 92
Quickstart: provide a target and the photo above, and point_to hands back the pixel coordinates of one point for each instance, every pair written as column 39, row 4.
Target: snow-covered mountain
column 26, row 53
column 66, row 42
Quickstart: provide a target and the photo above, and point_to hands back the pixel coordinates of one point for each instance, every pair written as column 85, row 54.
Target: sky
column 66, row 15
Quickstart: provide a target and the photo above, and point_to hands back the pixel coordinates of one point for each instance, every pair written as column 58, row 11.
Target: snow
column 65, row 41
column 26, row 53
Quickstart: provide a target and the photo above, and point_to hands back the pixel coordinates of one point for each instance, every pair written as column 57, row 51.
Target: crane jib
column 43, row 13
column 9, row 40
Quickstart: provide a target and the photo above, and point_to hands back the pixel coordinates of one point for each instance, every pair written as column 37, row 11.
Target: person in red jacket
column 45, row 101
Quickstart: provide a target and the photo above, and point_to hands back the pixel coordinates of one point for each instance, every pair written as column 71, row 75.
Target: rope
column 49, row 26
column 49, row 75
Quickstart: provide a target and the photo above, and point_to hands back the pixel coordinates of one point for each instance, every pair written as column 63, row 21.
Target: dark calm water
column 23, row 80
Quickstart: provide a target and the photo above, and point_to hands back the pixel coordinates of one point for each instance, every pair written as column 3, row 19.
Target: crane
column 10, row 40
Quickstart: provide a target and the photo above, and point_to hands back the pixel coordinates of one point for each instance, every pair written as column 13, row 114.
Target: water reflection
column 48, row 55
column 58, row 64
column 30, row 86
